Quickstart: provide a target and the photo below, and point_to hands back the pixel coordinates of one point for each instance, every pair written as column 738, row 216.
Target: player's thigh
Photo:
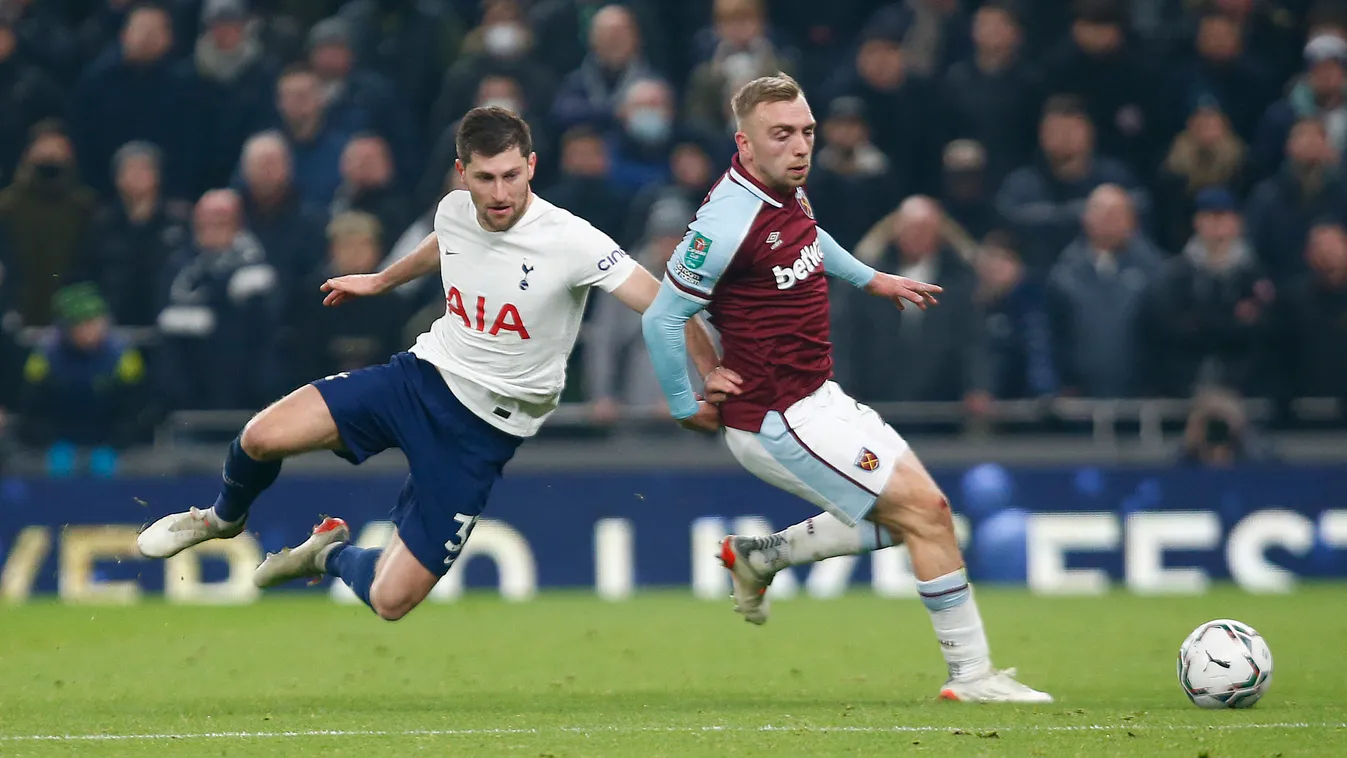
column 827, row 449
column 374, row 408
column 400, row 581
column 912, row 501
column 297, row 423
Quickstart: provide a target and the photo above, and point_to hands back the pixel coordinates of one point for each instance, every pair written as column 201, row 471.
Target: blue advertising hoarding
column 1080, row 530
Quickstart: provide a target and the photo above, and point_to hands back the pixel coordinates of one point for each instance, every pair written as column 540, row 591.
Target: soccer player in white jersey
column 516, row 271
column 755, row 257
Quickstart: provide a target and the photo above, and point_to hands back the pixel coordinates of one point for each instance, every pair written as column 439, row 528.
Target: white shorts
column 827, row 448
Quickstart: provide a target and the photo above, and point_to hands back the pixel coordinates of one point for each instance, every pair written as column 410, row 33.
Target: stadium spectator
column 1223, row 71
column 426, row 291
column 1019, row 335
column 1218, row 433
column 132, row 237
column 851, row 185
column 1098, row 64
column 561, row 30
column 1205, row 154
column 27, row 95
column 738, row 27
column 938, row 33
column 83, row 387
column 46, row 40
column 133, row 92
column 332, row 340
column 585, row 187
column 591, row 93
column 617, row 370
column 410, row 43
column 996, row 95
column 692, row 175
column 368, row 184
column 501, row 45
column 1209, row 311
column 358, row 99
column 315, row 141
column 874, row 342
column 1044, row 199
column 1308, row 188
column 1096, row 296
column 640, row 146
column 222, row 315
column 1313, row 329
column 900, row 108
column 967, row 196
column 289, row 230
column 742, row 52
column 1320, row 94
column 231, row 84
column 498, row 90
column 45, row 214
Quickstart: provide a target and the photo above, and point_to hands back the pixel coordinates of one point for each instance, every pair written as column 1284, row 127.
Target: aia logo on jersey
column 507, row 316
column 809, row 260
column 866, row 460
column 803, row 200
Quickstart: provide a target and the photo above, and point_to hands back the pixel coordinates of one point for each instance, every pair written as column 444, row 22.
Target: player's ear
column 741, row 142
column 533, row 164
column 461, row 169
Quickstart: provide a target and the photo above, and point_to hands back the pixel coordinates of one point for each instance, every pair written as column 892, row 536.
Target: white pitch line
column 586, row 730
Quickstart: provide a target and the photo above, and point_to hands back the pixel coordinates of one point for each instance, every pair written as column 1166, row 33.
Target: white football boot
column 750, row 584
column 995, row 687
column 305, row 561
column 176, row 532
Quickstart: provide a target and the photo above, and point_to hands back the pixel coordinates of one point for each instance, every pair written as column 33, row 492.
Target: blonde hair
column 779, row 88
column 354, row 224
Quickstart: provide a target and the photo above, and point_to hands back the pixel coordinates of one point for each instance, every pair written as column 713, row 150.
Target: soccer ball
column 1224, row 664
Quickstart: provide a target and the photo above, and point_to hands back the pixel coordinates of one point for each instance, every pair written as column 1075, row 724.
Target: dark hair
column 48, row 127
column 492, row 130
column 296, row 69
column 1065, row 105
column 580, row 132
column 1008, row 7
column 1104, row 12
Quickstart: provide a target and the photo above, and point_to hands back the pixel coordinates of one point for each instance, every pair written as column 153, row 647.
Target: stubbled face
column 779, row 139
column 499, row 186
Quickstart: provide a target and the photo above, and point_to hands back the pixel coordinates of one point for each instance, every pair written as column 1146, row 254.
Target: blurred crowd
column 1121, row 199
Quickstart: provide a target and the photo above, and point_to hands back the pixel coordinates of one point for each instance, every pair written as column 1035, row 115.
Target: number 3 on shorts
column 453, row 546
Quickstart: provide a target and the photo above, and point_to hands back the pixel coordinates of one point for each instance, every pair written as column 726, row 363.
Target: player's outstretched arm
column 421, row 261
column 639, row 291
column 663, row 325
column 843, row 265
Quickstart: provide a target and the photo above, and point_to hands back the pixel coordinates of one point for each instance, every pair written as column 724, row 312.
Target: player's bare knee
column 261, row 440
column 389, row 604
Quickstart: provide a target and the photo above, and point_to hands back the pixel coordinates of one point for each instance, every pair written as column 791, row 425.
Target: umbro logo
column 774, row 239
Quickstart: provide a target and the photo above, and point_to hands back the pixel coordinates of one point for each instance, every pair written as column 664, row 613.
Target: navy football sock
column 355, row 566
column 244, row 480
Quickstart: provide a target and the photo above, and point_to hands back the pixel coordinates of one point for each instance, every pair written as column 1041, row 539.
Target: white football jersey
column 513, row 305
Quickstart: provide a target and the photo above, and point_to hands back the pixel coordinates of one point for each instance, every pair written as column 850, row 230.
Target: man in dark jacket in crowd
column 852, row 185
column 1019, row 335
column 132, row 238
column 1096, row 293
column 368, row 184
column 1045, row 199
column 1321, row 94
column 133, row 92
column 1313, row 329
column 290, row 230
column 84, row 387
column 45, row 216
column 585, row 188
column 222, row 315
column 591, row 93
column 1308, row 188
column 1209, row 312
column 315, row 141
column 27, row 95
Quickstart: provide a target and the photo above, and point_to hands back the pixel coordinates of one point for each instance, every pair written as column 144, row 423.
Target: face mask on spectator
column 508, row 103
column 49, row 171
column 649, row 125
column 504, row 40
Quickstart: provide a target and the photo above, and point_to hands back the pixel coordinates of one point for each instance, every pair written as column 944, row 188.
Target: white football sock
column 815, row 539
column 958, row 625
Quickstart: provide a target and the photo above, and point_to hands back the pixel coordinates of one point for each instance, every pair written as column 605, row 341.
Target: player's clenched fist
column 900, row 288
column 343, row 288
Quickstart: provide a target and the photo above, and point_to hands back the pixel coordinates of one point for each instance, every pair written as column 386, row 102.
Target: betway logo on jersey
column 809, row 260
column 507, row 317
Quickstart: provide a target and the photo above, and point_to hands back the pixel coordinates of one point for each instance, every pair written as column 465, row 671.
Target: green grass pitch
column 664, row 674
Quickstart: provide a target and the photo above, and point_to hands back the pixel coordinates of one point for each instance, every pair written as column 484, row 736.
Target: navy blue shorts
column 455, row 457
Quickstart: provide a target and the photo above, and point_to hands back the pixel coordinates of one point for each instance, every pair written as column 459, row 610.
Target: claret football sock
column 244, row 479
column 958, row 625
column 353, row 565
column 814, row 539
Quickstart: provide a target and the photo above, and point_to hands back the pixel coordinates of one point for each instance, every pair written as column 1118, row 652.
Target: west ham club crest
column 804, row 202
column 867, row 461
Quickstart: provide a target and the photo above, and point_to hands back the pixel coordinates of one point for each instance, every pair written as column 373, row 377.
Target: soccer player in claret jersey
column 516, row 271
column 755, row 258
